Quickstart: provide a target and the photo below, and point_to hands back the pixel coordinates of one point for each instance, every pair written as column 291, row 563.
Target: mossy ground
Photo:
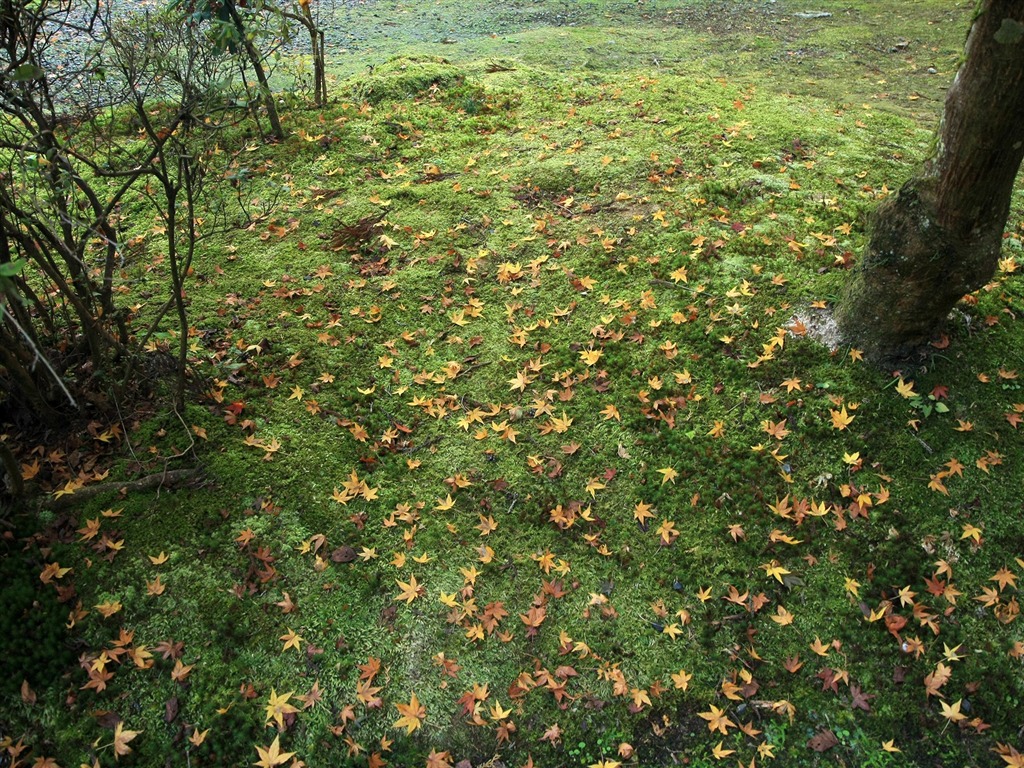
column 514, row 291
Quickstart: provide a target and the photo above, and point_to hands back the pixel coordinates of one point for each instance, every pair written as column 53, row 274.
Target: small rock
column 813, row 15
column 932, row 71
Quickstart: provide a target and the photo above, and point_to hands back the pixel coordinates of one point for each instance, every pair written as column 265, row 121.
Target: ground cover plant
column 514, row 442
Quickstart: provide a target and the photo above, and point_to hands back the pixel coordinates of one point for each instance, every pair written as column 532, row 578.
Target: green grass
column 599, row 159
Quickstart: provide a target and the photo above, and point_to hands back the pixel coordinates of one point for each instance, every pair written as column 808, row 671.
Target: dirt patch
column 821, row 327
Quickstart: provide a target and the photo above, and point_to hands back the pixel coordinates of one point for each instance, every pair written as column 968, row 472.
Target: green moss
column 407, row 77
column 649, row 144
column 36, row 646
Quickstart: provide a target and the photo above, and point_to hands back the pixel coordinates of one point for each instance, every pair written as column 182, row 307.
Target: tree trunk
column 316, row 42
column 939, row 238
column 261, row 76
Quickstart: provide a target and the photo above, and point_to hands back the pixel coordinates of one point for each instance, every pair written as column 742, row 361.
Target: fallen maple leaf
column 412, row 715
column 155, row 587
column 819, row 647
column 291, row 639
column 497, row 713
column 1004, row 577
column 718, row 720
column 668, row 473
column 841, row 419
column 720, row 752
column 552, row 734
column 438, row 759
column 681, row 679
column 1010, row 756
column 905, row 390
column 952, row 711
column 823, row 741
column 121, row 739
column 782, row 617
column 278, row 706
column 642, row 512
column 970, row 532
column 197, row 737
column 410, row 590
column 272, row 755
column 109, row 608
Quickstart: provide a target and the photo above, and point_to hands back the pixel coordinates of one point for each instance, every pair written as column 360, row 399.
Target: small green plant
column 928, row 404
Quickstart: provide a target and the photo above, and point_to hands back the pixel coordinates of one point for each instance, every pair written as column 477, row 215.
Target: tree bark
column 939, row 238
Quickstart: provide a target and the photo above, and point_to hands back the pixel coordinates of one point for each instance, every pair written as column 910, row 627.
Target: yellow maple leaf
column 952, row 711
column 773, row 569
column 681, row 679
column 108, row 608
column 410, row 590
column 497, row 713
column 841, row 419
column 906, row 390
column 291, row 640
column 819, row 647
column 412, row 715
column 782, row 617
column 970, row 532
column 720, row 752
column 197, row 737
column 667, row 474
column 594, row 485
column 272, row 756
column 642, row 512
column 121, row 739
column 718, row 720
column 155, row 587
column 277, row 707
